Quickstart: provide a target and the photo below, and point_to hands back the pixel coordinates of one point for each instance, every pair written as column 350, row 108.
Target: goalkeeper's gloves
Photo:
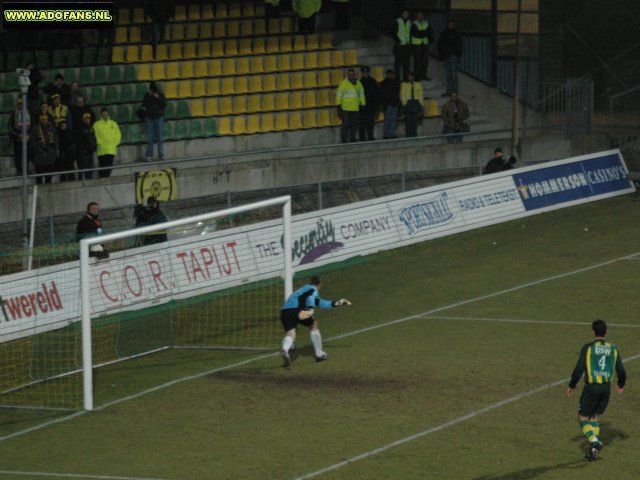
column 304, row 314
column 341, row 302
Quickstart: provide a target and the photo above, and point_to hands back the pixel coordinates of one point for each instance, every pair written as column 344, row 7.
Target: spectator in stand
column 78, row 110
column 450, row 51
column 421, row 38
column 16, row 120
column 66, row 160
column 60, row 88
column 33, row 93
column 75, row 93
column 160, row 12
column 58, row 111
column 350, row 100
column 106, row 38
column 412, row 99
column 154, row 104
column 43, row 145
column 499, row 163
column 43, row 110
column 271, row 10
column 108, row 138
column 86, row 145
column 342, row 12
column 306, row 11
column 372, row 102
column 402, row 47
column 454, row 115
column 390, row 88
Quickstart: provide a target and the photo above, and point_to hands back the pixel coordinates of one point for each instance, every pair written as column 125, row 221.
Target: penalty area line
column 515, row 320
column 442, row 426
column 72, row 475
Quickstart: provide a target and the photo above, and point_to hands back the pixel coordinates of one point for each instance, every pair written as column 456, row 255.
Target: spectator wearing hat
column 499, row 162
column 60, row 88
column 402, row 47
column 58, row 111
column 43, row 145
column 108, row 138
column 16, row 120
column 390, row 90
column 421, row 38
column 85, row 144
column 450, row 51
column 350, row 100
column 412, row 99
column 372, row 102
column 306, row 11
column 153, row 105
column 66, row 159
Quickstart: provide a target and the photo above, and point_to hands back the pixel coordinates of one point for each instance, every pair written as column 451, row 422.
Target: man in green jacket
column 306, row 11
column 350, row 99
column 108, row 138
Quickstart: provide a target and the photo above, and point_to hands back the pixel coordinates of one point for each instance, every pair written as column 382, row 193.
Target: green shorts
column 594, row 399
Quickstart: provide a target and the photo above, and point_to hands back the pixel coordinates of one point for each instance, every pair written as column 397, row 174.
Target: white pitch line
column 72, row 475
column 440, row 427
column 514, row 320
column 337, row 337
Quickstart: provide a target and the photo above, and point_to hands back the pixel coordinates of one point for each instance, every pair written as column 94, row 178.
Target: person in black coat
column 90, row 225
column 58, row 87
column 372, row 103
column 66, row 152
column 390, row 91
column 86, row 145
column 499, row 162
column 450, row 52
column 153, row 105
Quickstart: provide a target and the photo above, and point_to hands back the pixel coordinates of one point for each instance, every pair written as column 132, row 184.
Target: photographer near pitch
column 149, row 215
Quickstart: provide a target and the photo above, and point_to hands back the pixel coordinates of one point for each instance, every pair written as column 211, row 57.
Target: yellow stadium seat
column 309, row 99
column 260, row 10
column 246, row 28
column 324, row 78
column 269, row 83
column 378, row 73
column 138, row 16
column 194, row 12
column 124, row 16
column 176, row 31
column 284, row 62
column 200, row 68
column 240, row 104
column 239, row 125
column 214, row 67
column 192, row 31
column 224, row 125
column 266, row 122
column 282, row 121
column 334, row 120
column 234, row 10
column 229, row 66
column 313, row 42
column 299, row 43
column 207, row 12
column 285, row 43
column 210, row 107
column 197, row 108
column 273, row 44
column 243, row 67
column 297, row 80
column 295, row 101
column 173, row 70
column 242, row 85
column 324, row 59
column 244, row 47
column 297, row 61
column 309, row 120
column 180, row 13
column 270, row 63
column 225, row 106
column 311, row 60
column 254, row 103
column 282, row 102
column 171, row 89
column 326, row 41
column 310, row 80
column 284, row 81
column 268, row 102
column 248, row 9
column 184, row 89
column 135, row 35
column 233, row 28
column 295, row 120
column 228, row 85
column 323, row 119
column 146, row 53
column 259, row 27
column 337, row 75
column 132, row 55
column 221, row 10
column 286, row 25
column 143, row 72
column 189, row 50
column 200, row 88
column 217, row 49
column 219, row 30
column 186, row 69
column 231, row 48
column 121, row 35
column 352, row 57
column 205, row 31
column 161, row 52
column 253, row 124
column 337, row 59
column 158, row 71
column 175, row 51
column 274, row 26
column 257, row 64
column 325, row 97
column 258, row 46
column 255, row 83
column 213, row 87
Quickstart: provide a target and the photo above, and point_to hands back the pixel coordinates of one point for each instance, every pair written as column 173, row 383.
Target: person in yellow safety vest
column 306, row 11
column 350, row 100
column 58, row 111
column 108, row 138
column 411, row 96
column 421, row 38
column 402, row 48
column 342, row 13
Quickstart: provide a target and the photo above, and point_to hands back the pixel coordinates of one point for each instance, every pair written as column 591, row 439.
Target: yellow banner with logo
column 160, row 184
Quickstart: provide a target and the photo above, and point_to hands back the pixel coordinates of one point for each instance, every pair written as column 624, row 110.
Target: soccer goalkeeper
column 299, row 309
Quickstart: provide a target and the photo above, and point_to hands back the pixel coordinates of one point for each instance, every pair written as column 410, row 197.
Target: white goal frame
column 85, row 282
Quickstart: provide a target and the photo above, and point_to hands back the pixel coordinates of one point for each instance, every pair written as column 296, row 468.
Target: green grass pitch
column 451, row 364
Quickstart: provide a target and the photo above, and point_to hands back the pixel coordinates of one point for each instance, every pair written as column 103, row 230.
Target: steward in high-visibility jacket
column 350, row 94
column 421, row 31
column 108, row 135
column 306, row 8
column 403, row 29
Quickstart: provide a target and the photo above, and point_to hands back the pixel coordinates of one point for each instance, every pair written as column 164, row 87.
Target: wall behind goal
column 49, row 298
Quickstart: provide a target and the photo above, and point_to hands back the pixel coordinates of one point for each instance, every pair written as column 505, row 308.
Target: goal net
column 166, row 296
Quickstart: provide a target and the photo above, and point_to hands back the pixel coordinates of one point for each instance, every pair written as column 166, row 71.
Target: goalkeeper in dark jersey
column 597, row 361
column 299, row 309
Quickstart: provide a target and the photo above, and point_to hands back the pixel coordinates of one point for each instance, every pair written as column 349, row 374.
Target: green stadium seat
column 43, row 60
column 100, row 75
column 115, row 74
column 102, row 59
column 195, row 129
column 96, row 96
column 88, row 57
column 210, row 127
column 127, row 94
column 183, row 109
column 85, row 77
column 6, row 148
column 170, row 111
column 14, row 60
column 169, row 130
column 129, row 75
column 134, row 133
column 4, row 123
column 10, row 82
column 113, row 94
column 73, row 56
column 141, row 90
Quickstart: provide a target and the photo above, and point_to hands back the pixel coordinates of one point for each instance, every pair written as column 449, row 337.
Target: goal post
column 87, row 263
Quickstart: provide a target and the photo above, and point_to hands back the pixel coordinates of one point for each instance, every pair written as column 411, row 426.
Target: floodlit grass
column 474, row 391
